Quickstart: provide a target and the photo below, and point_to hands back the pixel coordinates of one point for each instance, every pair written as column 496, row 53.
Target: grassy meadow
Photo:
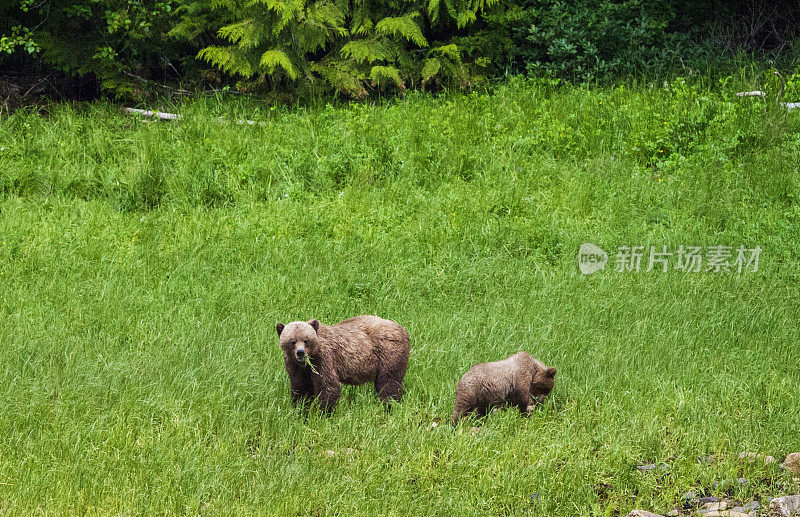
column 144, row 265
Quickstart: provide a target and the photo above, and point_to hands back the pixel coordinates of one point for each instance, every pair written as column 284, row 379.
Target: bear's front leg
column 327, row 390
column 522, row 399
column 299, row 380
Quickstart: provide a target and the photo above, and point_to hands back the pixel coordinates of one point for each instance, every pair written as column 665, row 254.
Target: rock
column 690, row 500
column 642, row 513
column 705, row 460
column 716, row 506
column 752, row 456
column 746, row 509
column 729, row 483
column 534, row 496
column 792, row 463
column 652, row 467
column 673, row 513
column 475, row 430
column 434, row 425
column 787, row 506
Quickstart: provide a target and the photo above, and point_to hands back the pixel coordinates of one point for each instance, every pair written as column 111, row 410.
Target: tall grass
column 144, row 265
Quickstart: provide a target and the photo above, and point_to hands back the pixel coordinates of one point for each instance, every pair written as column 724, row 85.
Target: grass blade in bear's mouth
column 307, row 361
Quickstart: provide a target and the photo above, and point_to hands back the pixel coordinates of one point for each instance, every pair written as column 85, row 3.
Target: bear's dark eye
column 292, row 342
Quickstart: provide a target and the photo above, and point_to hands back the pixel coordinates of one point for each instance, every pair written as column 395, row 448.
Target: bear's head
column 299, row 339
column 542, row 383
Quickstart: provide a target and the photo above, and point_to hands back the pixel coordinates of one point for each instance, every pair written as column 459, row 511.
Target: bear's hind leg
column 388, row 387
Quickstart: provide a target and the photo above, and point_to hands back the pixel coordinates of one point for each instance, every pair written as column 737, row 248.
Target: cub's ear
column 550, row 373
column 279, row 328
column 314, row 324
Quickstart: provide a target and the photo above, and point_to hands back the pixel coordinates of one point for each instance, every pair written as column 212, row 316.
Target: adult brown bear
column 318, row 358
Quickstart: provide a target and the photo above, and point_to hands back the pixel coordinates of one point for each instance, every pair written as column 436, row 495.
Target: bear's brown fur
column 354, row 351
column 519, row 380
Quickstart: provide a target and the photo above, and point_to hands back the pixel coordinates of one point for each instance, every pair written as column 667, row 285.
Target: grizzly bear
column 519, row 380
column 357, row 350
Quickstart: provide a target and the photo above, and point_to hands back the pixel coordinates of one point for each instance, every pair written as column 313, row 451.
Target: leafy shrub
column 592, row 38
column 346, row 47
column 116, row 40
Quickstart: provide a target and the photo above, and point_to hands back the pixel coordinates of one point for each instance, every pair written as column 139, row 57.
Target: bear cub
column 519, row 380
column 318, row 358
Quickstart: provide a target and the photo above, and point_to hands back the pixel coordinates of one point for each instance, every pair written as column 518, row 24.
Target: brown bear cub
column 519, row 380
column 357, row 350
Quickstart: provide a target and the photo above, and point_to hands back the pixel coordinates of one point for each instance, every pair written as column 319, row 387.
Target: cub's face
column 542, row 383
column 299, row 339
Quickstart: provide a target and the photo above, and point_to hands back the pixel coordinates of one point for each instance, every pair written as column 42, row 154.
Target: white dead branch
column 174, row 116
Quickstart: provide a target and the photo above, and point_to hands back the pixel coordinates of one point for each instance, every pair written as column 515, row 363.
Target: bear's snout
column 300, row 353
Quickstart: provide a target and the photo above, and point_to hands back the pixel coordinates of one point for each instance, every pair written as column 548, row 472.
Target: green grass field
column 143, row 267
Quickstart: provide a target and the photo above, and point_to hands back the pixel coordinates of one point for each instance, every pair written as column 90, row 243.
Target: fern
column 229, row 59
column 403, row 26
column 243, row 33
column 365, row 51
column 276, row 58
column 430, row 69
column 381, row 74
column 343, row 44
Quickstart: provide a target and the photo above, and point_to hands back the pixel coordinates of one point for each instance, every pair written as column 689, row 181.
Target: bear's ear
column 279, row 328
column 314, row 324
column 550, row 373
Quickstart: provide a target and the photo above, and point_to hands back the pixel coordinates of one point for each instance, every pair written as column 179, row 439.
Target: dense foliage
column 365, row 46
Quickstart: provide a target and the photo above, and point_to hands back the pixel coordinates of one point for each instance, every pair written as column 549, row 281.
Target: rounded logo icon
column 591, row 258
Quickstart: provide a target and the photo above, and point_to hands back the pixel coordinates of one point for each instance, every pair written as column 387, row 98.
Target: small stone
column 742, row 481
column 474, row 431
column 752, row 456
column 786, row 506
column 792, row 463
column 673, row 513
column 691, row 501
column 708, row 499
column 752, row 505
column 715, row 506
column 534, row 496
column 705, row 460
column 646, row 468
column 642, row 513
column 330, row 454
column 434, row 425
